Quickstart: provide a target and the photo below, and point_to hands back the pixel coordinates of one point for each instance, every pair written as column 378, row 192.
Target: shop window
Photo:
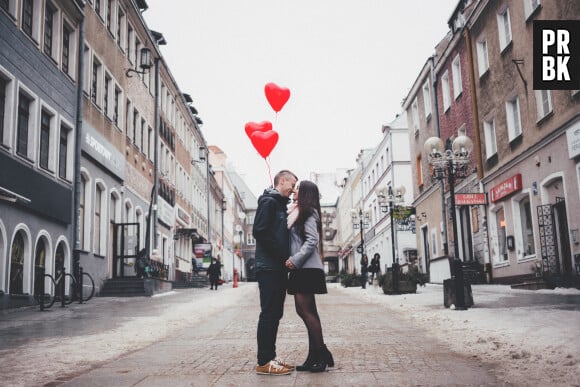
column 17, row 264
column 527, row 228
column 501, row 235
column 39, row 266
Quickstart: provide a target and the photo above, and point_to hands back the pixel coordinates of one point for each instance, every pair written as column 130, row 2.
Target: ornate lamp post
column 387, row 202
column 360, row 220
column 450, row 164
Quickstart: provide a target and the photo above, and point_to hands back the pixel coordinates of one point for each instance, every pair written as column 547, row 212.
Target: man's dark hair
column 283, row 173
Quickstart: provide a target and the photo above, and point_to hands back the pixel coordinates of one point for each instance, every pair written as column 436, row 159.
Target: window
column 456, row 74
column 98, row 8
column 3, row 88
column 82, row 218
column 446, row 91
column 135, row 124
column 121, row 29
column 434, row 242
column 130, row 44
column 128, row 110
column 45, row 124
column 24, row 105
column 96, row 82
column 27, row 16
column 482, row 58
column 5, row 5
column 527, row 228
column 116, row 101
column 427, row 99
column 490, row 138
column 109, row 16
column 66, row 48
column 513, row 119
column 504, row 29
column 530, row 6
column 501, row 235
column 250, row 240
column 49, row 29
column 543, row 103
column 142, row 136
column 63, row 152
column 108, row 96
column 415, row 112
column 86, row 69
column 151, row 144
column 98, row 226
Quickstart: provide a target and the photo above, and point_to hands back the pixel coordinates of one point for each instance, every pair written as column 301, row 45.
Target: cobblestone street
column 208, row 338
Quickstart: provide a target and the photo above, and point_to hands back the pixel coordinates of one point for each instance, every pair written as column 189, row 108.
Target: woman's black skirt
column 307, row 281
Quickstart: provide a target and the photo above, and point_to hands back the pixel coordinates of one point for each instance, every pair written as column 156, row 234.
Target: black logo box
column 573, row 64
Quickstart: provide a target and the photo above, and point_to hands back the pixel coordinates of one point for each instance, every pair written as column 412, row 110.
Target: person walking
column 272, row 249
column 214, row 272
column 307, row 271
column 375, row 267
column 364, row 268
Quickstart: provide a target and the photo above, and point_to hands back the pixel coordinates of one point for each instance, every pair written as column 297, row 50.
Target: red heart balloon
column 264, row 142
column 252, row 127
column 277, row 96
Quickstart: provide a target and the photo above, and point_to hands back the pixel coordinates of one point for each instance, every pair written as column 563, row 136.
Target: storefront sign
column 506, row 188
column 470, row 199
column 166, row 213
column 103, row 152
column 573, row 140
column 181, row 214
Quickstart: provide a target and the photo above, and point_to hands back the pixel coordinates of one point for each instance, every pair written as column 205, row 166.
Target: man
column 272, row 249
column 214, row 272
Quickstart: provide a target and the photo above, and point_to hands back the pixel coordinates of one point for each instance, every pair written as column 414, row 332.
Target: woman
column 375, row 266
column 364, row 268
column 307, row 272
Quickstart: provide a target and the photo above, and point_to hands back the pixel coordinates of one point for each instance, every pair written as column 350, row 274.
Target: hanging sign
column 506, row 188
column 470, row 199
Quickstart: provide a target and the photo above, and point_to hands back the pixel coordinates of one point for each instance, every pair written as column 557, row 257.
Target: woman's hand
column 289, row 264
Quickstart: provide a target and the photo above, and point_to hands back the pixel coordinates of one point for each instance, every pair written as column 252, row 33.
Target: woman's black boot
column 320, row 362
column 308, row 362
column 328, row 356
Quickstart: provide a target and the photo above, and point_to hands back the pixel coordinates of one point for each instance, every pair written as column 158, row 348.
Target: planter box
column 405, row 287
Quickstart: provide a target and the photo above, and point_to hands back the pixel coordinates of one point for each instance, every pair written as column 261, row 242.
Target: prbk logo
column 557, row 54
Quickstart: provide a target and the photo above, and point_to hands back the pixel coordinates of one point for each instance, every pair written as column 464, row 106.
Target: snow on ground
column 529, row 344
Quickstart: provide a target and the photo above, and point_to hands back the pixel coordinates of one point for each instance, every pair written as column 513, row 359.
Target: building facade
column 38, row 93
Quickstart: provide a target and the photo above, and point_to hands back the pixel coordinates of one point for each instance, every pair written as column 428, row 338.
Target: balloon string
column 269, row 171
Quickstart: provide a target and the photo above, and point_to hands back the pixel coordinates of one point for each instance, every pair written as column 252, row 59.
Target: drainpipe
column 438, row 132
column 77, row 149
column 156, row 157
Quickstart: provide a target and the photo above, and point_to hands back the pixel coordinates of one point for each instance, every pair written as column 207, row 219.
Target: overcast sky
column 347, row 63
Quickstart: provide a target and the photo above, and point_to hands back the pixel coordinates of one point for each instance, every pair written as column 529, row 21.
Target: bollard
column 235, row 278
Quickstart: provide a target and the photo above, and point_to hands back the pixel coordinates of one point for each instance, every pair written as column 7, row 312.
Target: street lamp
column 387, row 202
column 451, row 162
column 238, row 240
column 360, row 220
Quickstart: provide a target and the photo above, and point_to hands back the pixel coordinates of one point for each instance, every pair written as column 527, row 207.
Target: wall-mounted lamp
column 144, row 63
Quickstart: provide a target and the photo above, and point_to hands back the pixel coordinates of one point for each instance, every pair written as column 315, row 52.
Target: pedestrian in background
column 307, row 271
column 272, row 249
column 214, row 271
column 364, row 268
column 375, row 267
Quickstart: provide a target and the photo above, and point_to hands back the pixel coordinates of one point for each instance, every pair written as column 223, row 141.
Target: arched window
column 59, row 257
column 17, row 264
column 82, row 198
column 39, row 266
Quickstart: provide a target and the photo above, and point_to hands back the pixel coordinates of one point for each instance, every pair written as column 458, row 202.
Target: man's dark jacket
column 271, row 231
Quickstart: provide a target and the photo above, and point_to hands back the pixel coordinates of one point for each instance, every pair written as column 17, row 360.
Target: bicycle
column 69, row 295
column 86, row 287
column 46, row 298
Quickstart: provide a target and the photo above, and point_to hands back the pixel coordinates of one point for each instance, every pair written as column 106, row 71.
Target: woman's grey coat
column 304, row 254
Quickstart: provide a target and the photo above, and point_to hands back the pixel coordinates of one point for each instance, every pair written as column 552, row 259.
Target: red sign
column 470, row 199
column 506, row 188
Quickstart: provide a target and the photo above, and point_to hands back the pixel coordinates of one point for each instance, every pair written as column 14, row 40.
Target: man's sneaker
column 272, row 368
column 284, row 364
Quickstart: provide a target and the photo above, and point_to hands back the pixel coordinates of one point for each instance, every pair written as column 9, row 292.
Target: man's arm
column 262, row 229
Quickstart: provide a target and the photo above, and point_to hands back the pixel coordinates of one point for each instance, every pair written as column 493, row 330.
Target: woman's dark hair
column 308, row 202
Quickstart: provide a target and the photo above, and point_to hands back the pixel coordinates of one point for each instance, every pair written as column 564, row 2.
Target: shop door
column 561, row 222
column 426, row 249
column 465, row 244
column 125, row 249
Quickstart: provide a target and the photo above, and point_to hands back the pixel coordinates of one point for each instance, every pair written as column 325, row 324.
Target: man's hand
column 289, row 264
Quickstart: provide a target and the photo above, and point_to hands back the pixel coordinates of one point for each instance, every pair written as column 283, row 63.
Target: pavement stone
column 369, row 348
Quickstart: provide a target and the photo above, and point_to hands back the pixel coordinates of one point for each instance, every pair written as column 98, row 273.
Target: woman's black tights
column 306, row 309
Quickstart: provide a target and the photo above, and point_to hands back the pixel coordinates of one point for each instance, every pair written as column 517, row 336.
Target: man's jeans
column 272, row 285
